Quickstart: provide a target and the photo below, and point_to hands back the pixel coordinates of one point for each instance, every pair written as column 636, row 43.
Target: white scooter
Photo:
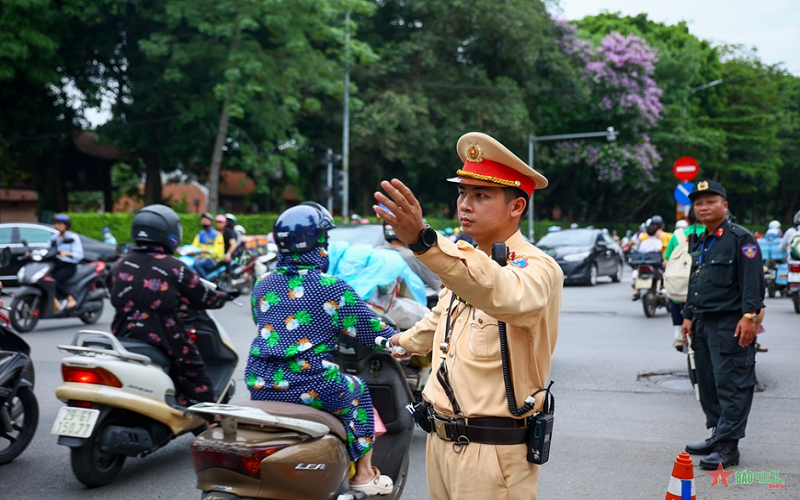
column 121, row 400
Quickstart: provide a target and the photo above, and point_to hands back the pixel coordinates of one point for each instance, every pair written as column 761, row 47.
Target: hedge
column 91, row 225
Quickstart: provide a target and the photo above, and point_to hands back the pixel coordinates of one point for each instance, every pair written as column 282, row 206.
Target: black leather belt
column 485, row 430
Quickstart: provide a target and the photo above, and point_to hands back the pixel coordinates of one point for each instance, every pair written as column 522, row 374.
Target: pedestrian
column 726, row 296
column 678, row 271
column 466, row 399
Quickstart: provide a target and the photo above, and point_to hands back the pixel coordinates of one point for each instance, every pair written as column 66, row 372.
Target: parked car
column 38, row 236
column 584, row 254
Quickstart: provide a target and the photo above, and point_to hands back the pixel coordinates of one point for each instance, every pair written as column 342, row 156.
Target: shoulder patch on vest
column 750, row 250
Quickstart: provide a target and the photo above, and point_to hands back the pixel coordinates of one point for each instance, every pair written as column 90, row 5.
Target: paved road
column 617, row 431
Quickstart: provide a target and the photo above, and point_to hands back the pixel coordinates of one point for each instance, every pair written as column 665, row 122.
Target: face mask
column 206, row 226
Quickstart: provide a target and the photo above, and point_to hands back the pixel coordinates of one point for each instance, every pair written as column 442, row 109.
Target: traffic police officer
column 478, row 449
column 726, row 294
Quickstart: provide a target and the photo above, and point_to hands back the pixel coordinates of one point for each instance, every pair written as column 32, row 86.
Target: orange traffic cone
column 681, row 484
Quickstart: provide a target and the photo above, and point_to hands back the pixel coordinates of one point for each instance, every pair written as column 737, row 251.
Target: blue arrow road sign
column 682, row 193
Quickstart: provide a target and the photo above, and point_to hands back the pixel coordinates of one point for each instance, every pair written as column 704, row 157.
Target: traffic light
column 338, row 184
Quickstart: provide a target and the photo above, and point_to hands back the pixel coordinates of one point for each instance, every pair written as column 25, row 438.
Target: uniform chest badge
column 521, row 263
column 750, row 250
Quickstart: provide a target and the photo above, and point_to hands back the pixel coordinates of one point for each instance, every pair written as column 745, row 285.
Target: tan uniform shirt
column 526, row 294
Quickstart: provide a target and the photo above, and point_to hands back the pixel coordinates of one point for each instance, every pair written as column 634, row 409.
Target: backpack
column 679, row 268
column 794, row 246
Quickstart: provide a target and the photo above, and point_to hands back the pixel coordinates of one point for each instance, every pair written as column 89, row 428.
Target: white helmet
column 681, row 224
column 774, row 225
column 239, row 229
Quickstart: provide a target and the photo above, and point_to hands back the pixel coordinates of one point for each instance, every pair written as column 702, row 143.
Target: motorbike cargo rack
column 649, row 258
column 229, row 414
column 77, row 347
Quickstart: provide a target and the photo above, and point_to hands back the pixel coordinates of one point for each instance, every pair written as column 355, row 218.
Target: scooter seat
column 134, row 346
column 302, row 412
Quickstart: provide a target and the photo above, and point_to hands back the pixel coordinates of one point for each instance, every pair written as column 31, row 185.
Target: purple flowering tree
column 620, row 75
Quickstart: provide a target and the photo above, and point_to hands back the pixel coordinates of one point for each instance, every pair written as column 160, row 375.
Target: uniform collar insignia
column 720, row 231
column 474, row 153
column 702, row 186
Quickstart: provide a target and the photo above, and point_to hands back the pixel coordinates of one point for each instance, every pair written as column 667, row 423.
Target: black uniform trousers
column 726, row 373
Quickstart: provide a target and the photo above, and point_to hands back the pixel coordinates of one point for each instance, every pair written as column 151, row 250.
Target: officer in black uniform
column 726, row 293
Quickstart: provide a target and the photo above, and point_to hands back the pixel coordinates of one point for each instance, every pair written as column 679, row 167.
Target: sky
column 772, row 26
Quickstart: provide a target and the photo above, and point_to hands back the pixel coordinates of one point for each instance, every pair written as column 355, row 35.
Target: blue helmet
column 63, row 218
column 302, row 228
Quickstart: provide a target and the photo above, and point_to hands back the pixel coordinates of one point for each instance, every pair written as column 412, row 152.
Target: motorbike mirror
column 5, row 257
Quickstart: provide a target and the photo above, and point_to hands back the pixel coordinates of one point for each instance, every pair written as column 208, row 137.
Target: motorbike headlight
column 39, row 274
column 573, row 257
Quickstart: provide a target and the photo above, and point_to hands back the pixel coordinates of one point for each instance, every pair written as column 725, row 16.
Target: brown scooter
column 281, row 451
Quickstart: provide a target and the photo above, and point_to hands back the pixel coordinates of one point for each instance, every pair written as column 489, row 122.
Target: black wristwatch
column 427, row 239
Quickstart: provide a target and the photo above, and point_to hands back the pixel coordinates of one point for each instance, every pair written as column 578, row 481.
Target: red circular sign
column 685, row 168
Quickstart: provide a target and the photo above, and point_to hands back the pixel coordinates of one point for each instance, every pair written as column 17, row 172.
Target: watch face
column 429, row 236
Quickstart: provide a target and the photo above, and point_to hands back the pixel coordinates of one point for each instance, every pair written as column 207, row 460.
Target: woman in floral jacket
column 300, row 312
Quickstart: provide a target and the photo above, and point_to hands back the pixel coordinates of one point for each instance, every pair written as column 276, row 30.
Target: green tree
column 445, row 68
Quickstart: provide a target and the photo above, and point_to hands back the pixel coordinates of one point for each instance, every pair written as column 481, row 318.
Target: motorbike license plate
column 773, row 273
column 644, row 283
column 75, row 422
column 794, row 277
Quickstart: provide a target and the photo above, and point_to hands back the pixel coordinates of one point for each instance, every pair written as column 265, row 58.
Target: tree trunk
column 152, row 183
column 216, row 158
column 222, row 134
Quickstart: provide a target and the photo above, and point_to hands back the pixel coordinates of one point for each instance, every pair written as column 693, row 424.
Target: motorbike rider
column 662, row 235
column 789, row 234
column 300, row 312
column 418, row 267
column 147, row 287
column 211, row 245
column 69, row 253
column 652, row 243
column 230, row 239
column 773, row 230
column 108, row 236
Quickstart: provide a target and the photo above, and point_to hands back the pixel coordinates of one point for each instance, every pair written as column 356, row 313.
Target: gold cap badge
column 702, row 186
column 474, row 153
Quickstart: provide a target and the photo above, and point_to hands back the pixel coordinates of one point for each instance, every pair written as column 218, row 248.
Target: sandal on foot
column 761, row 348
column 379, row 485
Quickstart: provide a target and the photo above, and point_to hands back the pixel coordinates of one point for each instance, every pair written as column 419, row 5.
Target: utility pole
column 346, row 125
column 330, row 180
column 610, row 134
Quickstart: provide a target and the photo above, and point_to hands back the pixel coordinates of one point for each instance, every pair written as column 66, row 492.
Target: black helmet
column 302, row 228
column 658, row 221
column 63, row 218
column 388, row 232
column 796, row 218
column 157, row 224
